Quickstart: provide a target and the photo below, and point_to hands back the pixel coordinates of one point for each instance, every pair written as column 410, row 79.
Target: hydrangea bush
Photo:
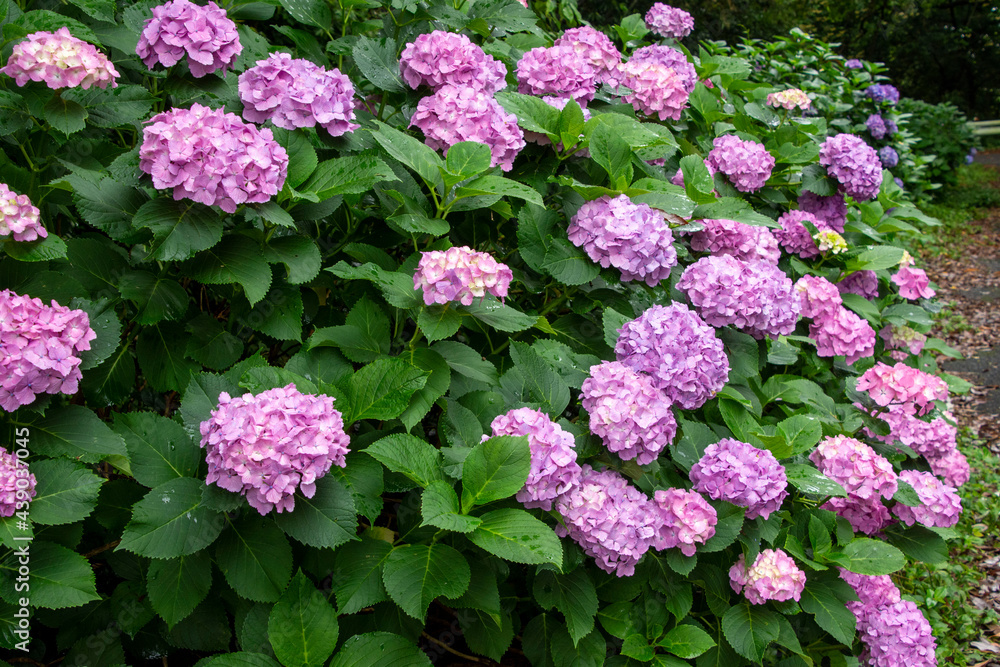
column 310, row 357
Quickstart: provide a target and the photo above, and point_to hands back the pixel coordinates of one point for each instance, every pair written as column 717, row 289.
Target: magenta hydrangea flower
column 856, row 467
column 627, row 412
column 913, row 283
column 212, row 157
column 611, row 520
column 19, row 218
column 830, row 210
column 460, row 274
column 292, row 92
column 789, row 99
column 854, row 164
column 940, row 505
column 679, row 350
column 795, row 237
column 273, row 444
column 747, row 164
column 742, row 241
column 773, row 576
column 903, row 385
column 754, row 296
column 440, row 58
column 843, row 333
column 899, row 337
column 951, row 466
column 865, row 516
column 657, row 90
column 559, row 71
column 60, row 60
column 595, row 48
column 554, row 469
column 633, row 238
column 201, row 33
column 863, row 283
column 672, row 58
column 743, row 475
column 39, row 349
column 897, row 634
column 820, row 298
column 543, row 139
column 688, row 520
column 454, row 114
column 667, row 21
column 12, row 489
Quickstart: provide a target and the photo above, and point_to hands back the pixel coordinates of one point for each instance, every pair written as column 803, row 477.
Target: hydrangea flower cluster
column 876, row 126
column 952, row 467
column 202, row 33
column 940, row 505
column 554, row 469
column 60, row 60
column 882, row 92
column 897, row 634
column 863, row 283
column 831, row 210
column 743, row 475
column 559, row 71
column 856, row 467
column 912, row 283
column 633, row 238
column 13, row 469
column 854, row 164
column 899, row 337
column 657, row 90
column 795, row 237
column 688, row 520
column 829, row 241
column 747, row 164
column 853, row 63
column 41, row 346
column 293, row 92
column 903, row 385
column 667, row 21
column 672, row 58
column 679, row 350
column 212, row 157
column 742, row 241
column 19, row 218
column 627, row 412
column 460, row 274
column 440, row 58
column 888, row 156
column 865, row 516
column 454, row 114
column 754, row 296
column 928, row 438
column 872, row 590
column 269, row 445
column 773, row 576
column 543, row 139
column 789, row 99
column 597, row 49
column 820, row 298
column 843, row 333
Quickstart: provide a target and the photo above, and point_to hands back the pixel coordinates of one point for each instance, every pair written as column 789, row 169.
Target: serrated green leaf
column 75, row 432
column 256, row 558
column 65, row 492
column 65, row 115
column 171, row 520
column 439, row 507
column 829, row 611
column 499, row 316
column 380, row 649
column 416, row 574
column 177, row 585
column 180, row 228
column 299, row 254
column 376, row 58
column 868, row 556
column 236, row 259
column 58, row 577
column 357, row 578
column 573, row 594
column 410, row 456
column 517, row 536
column 156, row 298
column 495, row 469
column 302, row 626
column 326, row 520
column 749, row 629
column 160, row 350
column 686, row 641
column 808, row 479
column 351, row 174
column 498, row 185
column 382, row 390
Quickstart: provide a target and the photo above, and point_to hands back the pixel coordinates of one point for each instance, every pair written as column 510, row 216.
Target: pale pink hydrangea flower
column 595, row 48
column 439, row 58
column 559, row 71
column 657, row 90
column 60, row 60
column 873, row 590
column 201, row 33
column 688, row 520
column 913, row 283
column 12, row 471
column 19, row 218
column 789, row 99
column 742, row 241
column 899, row 337
column 743, row 475
column 843, row 333
column 747, row 164
column 672, row 58
column 460, row 274
column 820, row 298
column 940, row 506
column 854, row 465
column 951, row 466
column 865, row 516
column 667, row 21
column 903, row 385
column 773, row 576
column 854, row 164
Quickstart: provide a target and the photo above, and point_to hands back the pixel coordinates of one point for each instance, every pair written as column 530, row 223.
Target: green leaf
column 159, row 449
column 177, row 585
column 535, row 226
column 416, row 574
column 467, row 158
column 801, row 432
column 917, row 542
column 412, row 152
column 65, row 115
column 51, row 247
column 310, row 12
column 465, row 361
column 573, row 594
column 237, row 259
column 438, row 322
column 302, row 158
column 108, row 205
column 815, row 180
column 830, row 613
column 495, row 469
column 357, row 578
column 302, row 626
column 180, row 228
column 750, row 628
column 65, row 492
column 378, row 62
column 868, row 556
column 363, row 478
column 299, row 254
column 499, row 316
column 517, row 536
column 75, row 432
column 49, row 21
column 123, row 106
column 156, row 298
column 533, row 114
column 807, row 479
column 698, row 183
column 160, row 349
column 14, row 114
column 686, row 641
column 397, row 288
column 727, row 528
column 874, row 259
column 356, row 344
column 351, row 174
column 608, row 149
column 58, row 577
column 532, row 380
column 256, row 558
column 279, row 315
column 503, row 15
column 326, row 520
column 382, row 390
column 569, row 264
column 171, row 521
column 410, row 456
column 438, row 382
column 380, row 649
column 111, row 381
column 439, row 507
column 498, row 185
column 243, row 658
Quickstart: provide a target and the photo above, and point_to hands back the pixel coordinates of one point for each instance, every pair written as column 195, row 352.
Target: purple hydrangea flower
column 928, row 438
column 633, row 238
column 672, row 58
column 951, row 466
column 742, row 241
column 863, row 283
column 271, row 445
column 830, row 210
column 856, row 467
column 747, row 164
column 559, row 71
column 12, row 489
column 627, row 412
column 913, row 283
column 854, row 164
column 439, row 58
column 19, row 218
column 60, row 60
column 898, row 634
column 876, row 126
column 911, row 388
column 754, row 296
column 789, row 99
column 667, row 21
column 773, row 576
column 202, row 33
column 820, row 298
column 212, row 157
column 554, row 469
column 899, row 337
column 843, row 333
column 679, row 350
column 460, row 274
column 882, row 92
column 39, row 349
column 853, row 63
column 795, row 237
column 454, row 114
column 865, row 516
column 873, row 590
column 597, row 49
column 888, row 156
column 890, row 127
column 657, row 90
column 688, row 520
column 743, row 475
column 940, row 506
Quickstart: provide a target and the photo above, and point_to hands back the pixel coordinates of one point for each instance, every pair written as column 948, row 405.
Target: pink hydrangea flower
column 688, row 520
column 595, row 48
column 743, row 475
column 201, row 33
column 19, row 218
column 856, row 467
column 212, row 157
column 454, row 114
column 554, row 469
column 789, row 99
column 39, row 349
column 903, row 385
column 951, row 466
column 843, row 333
column 460, row 274
column 927, row 438
column 12, row 471
column 900, row 337
column 830, row 210
column 940, row 505
column 293, row 92
column 863, row 283
column 820, row 298
column 795, row 237
column 913, row 283
column 898, row 634
column 657, row 90
column 873, row 590
column 865, row 516
column 627, row 412
column 672, row 58
column 747, row 164
column 854, row 164
column 633, row 238
column 679, row 350
column 559, row 71
column 60, row 60
column 773, row 576
column 667, row 21
column 440, row 58
column 742, row 241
